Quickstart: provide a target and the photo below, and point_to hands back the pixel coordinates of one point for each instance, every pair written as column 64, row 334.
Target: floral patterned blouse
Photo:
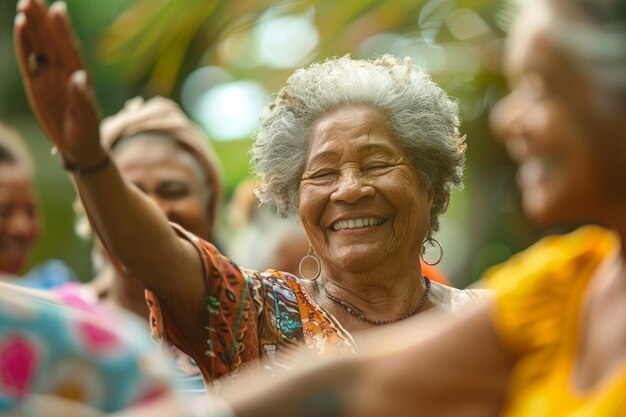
column 57, row 360
column 252, row 315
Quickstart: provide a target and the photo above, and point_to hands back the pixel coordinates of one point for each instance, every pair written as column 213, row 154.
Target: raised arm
column 433, row 368
column 133, row 228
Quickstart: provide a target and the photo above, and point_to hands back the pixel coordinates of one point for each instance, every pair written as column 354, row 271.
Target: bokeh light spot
column 286, row 41
column 198, row 83
column 231, row 111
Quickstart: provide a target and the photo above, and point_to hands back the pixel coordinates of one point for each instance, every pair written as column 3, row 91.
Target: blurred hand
column 56, row 82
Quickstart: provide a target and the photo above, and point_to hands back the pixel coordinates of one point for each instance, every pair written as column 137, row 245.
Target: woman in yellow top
column 553, row 341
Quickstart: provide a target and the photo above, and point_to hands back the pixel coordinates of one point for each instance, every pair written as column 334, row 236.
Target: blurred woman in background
column 20, row 220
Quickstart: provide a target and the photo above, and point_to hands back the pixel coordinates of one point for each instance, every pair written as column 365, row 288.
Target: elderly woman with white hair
column 366, row 152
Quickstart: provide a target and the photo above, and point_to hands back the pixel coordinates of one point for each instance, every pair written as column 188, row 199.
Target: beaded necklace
column 356, row 313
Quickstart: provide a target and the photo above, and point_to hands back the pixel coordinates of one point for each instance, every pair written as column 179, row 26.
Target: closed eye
column 324, row 175
column 173, row 190
column 376, row 167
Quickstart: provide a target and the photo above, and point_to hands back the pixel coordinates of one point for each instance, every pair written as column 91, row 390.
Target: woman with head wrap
column 366, row 152
column 166, row 156
column 163, row 153
column 161, row 120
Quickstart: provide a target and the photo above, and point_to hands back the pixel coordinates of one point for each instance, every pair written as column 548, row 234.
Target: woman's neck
column 377, row 294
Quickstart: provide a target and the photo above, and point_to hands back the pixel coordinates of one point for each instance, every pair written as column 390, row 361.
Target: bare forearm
column 458, row 369
column 325, row 391
column 132, row 227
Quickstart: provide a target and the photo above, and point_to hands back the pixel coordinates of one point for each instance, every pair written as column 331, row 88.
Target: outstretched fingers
column 43, row 78
column 22, row 41
column 32, row 34
column 82, row 121
column 68, row 44
column 41, row 82
column 25, row 44
column 49, row 54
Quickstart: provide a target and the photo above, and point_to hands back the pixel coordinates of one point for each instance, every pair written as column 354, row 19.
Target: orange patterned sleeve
column 231, row 325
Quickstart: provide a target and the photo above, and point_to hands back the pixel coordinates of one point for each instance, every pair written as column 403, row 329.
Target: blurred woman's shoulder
column 559, row 257
column 451, row 300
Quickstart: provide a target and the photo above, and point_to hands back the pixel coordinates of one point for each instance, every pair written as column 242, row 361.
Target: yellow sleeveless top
column 537, row 317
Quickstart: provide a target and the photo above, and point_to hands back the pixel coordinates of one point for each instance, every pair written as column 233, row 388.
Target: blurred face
column 570, row 144
column 170, row 177
column 361, row 202
column 19, row 221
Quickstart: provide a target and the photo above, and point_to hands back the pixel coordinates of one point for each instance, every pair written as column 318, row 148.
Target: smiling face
column 570, row 144
column 19, row 221
column 171, row 177
column 361, row 202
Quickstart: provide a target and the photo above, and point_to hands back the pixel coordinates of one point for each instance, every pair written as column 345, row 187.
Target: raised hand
column 56, row 82
column 64, row 102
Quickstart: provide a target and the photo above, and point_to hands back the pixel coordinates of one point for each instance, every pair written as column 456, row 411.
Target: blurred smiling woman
column 21, row 221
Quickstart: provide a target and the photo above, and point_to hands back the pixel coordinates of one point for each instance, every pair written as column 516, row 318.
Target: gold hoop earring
column 312, row 257
column 433, row 242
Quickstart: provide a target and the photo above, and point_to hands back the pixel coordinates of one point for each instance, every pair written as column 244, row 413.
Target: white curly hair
column 424, row 119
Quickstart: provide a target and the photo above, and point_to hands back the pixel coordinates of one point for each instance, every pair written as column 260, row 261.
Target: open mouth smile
column 357, row 223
